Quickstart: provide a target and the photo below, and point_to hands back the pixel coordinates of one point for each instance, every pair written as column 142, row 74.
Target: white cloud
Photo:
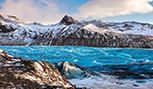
column 44, row 11
column 106, row 8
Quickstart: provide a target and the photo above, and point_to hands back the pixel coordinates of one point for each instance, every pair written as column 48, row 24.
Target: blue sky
column 51, row 11
column 147, row 17
column 71, row 5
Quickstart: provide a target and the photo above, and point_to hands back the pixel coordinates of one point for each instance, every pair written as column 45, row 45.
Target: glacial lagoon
column 109, row 62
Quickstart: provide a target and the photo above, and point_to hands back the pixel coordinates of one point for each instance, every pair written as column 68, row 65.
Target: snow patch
column 1, row 50
column 38, row 66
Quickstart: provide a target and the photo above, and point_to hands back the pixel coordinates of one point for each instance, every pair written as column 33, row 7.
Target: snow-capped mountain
column 69, row 31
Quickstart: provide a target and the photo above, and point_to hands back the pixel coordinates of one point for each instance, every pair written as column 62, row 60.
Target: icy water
column 99, row 60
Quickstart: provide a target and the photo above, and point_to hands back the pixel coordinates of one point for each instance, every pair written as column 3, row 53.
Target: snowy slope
column 127, row 27
column 133, row 28
column 69, row 31
column 25, row 32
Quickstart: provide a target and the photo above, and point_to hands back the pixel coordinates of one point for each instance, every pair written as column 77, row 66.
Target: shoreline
column 77, row 46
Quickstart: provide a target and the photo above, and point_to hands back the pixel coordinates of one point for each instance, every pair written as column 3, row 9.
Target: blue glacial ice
column 133, row 67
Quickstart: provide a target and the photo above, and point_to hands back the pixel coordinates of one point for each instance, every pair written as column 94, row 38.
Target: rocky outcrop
column 19, row 73
column 71, row 32
column 6, row 29
column 67, row 20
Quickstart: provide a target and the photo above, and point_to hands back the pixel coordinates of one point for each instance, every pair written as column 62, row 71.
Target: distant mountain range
column 69, row 31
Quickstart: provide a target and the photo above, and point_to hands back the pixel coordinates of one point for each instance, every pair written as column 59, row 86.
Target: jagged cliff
column 78, row 33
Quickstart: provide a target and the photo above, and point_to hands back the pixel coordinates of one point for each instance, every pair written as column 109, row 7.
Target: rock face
column 71, row 32
column 20, row 73
column 67, row 20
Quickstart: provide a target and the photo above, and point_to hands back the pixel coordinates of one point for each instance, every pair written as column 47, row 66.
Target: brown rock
column 19, row 73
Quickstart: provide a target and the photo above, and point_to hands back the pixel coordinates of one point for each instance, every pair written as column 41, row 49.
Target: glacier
column 94, row 56
column 126, row 68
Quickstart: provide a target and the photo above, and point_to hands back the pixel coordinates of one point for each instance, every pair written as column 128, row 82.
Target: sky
column 52, row 11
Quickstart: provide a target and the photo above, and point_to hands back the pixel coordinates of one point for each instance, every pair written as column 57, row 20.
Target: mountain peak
column 67, row 20
column 10, row 19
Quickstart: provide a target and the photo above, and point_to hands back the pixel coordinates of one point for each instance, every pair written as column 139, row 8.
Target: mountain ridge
column 69, row 31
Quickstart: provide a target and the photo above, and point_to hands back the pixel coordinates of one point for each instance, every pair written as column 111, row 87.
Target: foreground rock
column 71, row 32
column 20, row 73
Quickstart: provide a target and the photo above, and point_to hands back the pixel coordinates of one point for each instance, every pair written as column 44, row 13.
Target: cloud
column 51, row 11
column 107, row 8
column 44, row 11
